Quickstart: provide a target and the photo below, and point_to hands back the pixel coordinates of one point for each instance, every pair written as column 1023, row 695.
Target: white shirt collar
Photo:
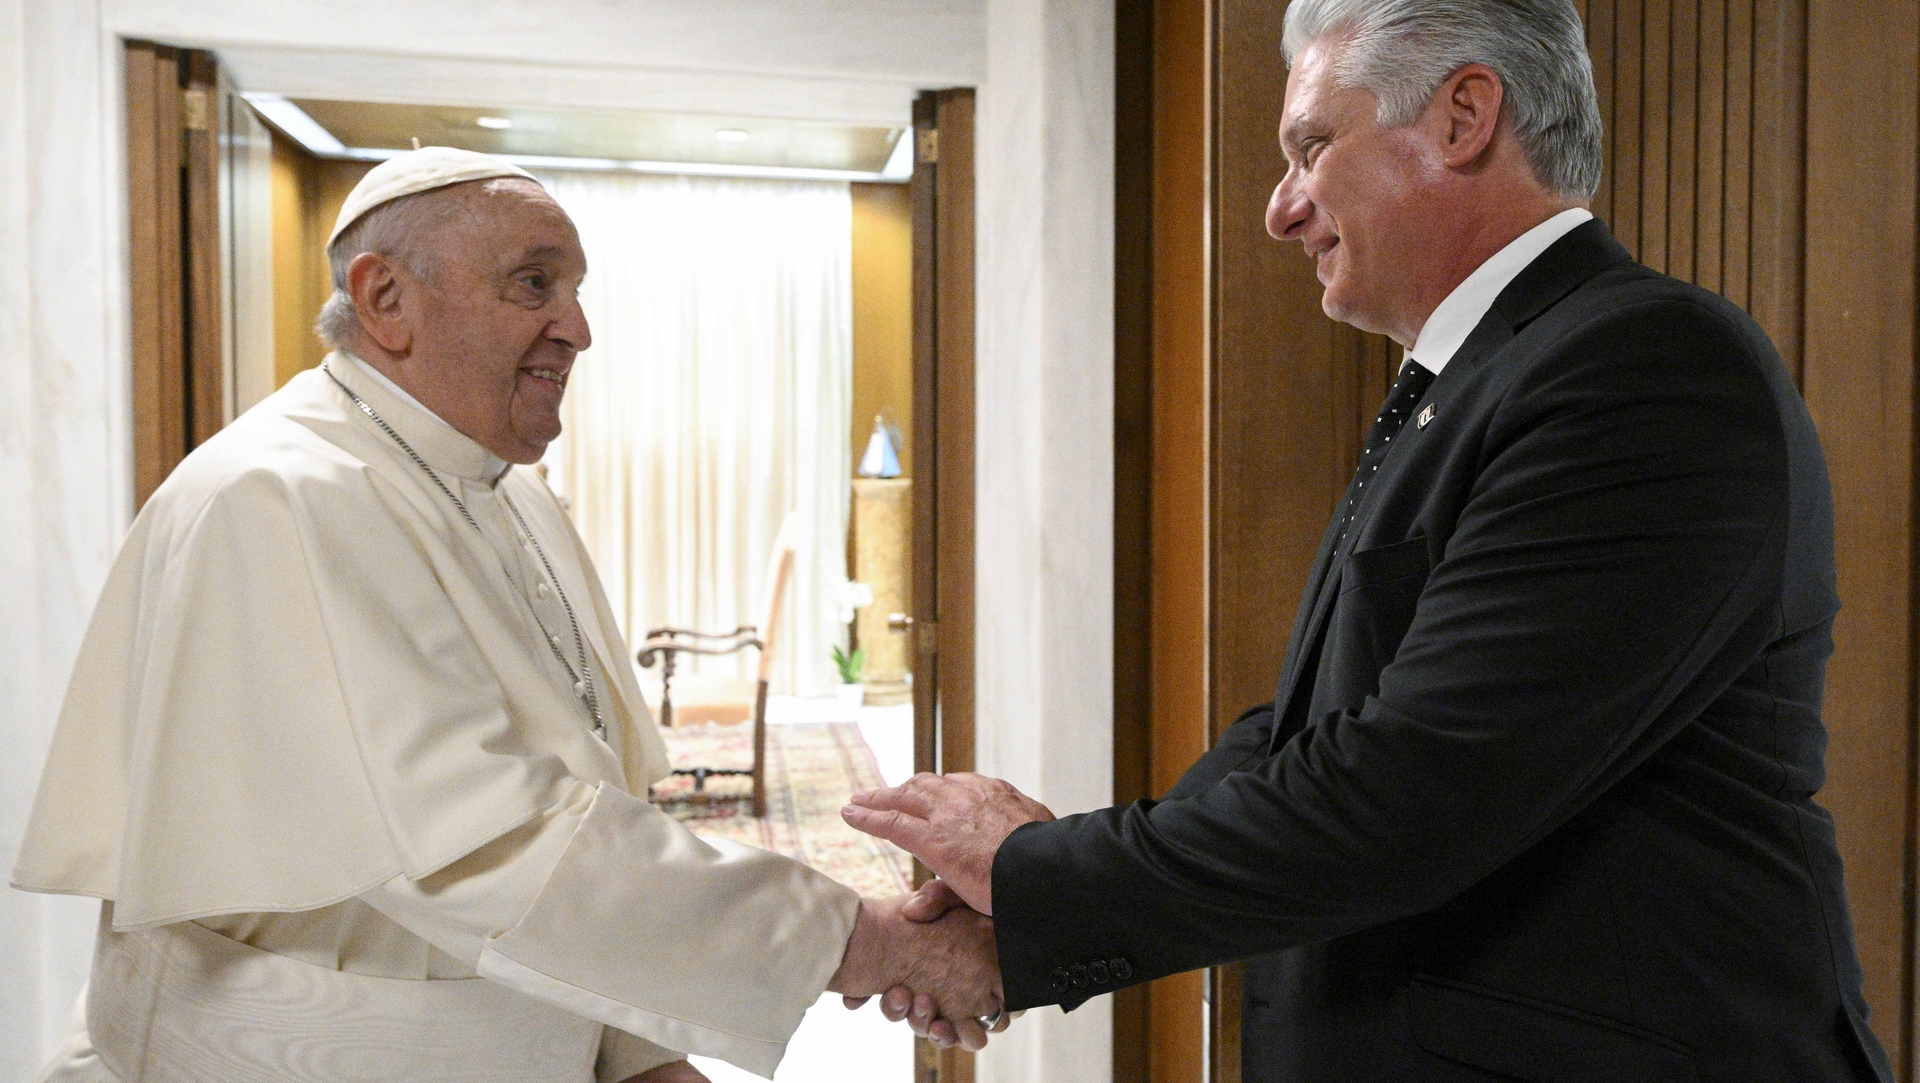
column 493, row 466
column 1464, row 308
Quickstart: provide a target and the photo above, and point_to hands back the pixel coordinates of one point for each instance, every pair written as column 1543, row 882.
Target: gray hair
column 1402, row 50
column 395, row 230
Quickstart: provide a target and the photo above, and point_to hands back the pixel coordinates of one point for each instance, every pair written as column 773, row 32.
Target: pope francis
column 353, row 754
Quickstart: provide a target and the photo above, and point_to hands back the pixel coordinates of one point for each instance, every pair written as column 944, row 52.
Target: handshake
column 930, row 956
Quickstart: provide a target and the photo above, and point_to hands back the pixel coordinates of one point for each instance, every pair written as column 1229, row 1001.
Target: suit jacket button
column 1122, row 970
column 1098, row 970
column 1079, row 974
column 1060, row 979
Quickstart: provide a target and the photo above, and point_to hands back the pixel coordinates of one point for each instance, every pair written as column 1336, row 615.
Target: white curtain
column 714, row 400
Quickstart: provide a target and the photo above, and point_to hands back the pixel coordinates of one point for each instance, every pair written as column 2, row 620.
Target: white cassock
column 349, row 814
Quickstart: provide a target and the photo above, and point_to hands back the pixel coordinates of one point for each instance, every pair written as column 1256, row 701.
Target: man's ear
column 380, row 299
column 1470, row 100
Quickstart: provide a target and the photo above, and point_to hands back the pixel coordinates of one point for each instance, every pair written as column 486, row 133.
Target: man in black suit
column 1535, row 797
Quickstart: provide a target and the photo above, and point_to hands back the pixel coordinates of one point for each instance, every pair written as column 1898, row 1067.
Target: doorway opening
column 769, row 445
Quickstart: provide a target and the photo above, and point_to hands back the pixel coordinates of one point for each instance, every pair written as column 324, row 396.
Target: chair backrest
column 774, row 587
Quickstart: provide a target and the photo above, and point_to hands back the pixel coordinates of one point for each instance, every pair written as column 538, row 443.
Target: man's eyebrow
column 1298, row 130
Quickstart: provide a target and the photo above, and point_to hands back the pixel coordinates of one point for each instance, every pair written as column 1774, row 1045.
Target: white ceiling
column 857, row 61
column 608, row 134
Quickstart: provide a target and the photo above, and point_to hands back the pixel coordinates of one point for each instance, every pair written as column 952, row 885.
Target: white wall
column 1045, row 399
column 64, row 464
column 1045, row 72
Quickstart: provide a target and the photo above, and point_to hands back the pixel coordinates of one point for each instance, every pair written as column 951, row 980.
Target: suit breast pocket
column 1379, row 591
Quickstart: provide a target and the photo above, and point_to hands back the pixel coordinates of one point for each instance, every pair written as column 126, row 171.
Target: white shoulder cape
column 306, row 675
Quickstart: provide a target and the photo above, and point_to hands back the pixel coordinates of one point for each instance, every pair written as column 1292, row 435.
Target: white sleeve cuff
column 715, row 949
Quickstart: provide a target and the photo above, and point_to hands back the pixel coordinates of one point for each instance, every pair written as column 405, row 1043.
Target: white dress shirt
column 1464, row 308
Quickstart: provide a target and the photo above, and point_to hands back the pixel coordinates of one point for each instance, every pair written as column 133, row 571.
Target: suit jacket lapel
column 1323, row 583
column 1567, row 264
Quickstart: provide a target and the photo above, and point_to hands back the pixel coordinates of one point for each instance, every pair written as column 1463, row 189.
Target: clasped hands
column 931, row 955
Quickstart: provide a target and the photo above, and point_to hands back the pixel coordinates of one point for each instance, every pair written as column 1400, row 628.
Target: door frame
column 942, row 195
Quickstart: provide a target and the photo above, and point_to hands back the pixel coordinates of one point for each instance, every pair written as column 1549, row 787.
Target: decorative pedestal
column 882, row 559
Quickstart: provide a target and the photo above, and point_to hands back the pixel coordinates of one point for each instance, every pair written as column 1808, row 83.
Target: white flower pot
column 849, row 695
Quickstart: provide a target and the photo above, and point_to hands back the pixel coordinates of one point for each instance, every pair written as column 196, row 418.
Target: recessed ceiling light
column 496, row 123
column 731, row 135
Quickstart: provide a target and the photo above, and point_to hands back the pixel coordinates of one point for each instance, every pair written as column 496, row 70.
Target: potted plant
column 852, row 668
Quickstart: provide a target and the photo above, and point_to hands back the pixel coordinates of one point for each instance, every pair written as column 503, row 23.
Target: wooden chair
column 693, row 699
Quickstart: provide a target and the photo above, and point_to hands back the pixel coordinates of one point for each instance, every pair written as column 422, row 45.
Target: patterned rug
column 811, row 768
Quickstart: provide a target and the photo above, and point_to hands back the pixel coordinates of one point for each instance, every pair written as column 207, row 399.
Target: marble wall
column 65, row 467
column 1045, row 72
column 1044, row 651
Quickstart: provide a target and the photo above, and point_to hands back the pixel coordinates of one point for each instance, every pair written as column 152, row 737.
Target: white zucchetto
column 419, row 171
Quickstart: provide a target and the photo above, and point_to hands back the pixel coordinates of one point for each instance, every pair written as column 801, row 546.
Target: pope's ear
column 379, row 298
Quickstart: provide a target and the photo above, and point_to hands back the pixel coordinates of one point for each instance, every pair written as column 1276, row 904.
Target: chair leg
column 760, row 753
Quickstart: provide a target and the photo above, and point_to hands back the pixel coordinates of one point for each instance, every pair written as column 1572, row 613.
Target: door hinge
column 926, row 145
column 196, row 108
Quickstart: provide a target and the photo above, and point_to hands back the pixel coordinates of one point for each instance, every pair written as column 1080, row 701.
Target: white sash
column 183, row 1004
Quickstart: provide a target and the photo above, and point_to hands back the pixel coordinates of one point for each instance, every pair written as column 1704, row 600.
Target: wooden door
column 199, row 250
column 943, row 449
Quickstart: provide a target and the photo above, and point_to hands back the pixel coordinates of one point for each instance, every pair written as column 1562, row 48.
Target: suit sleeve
column 1615, row 566
column 1244, row 744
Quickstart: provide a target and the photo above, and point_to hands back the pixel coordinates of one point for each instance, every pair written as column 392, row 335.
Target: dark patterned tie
column 1413, row 383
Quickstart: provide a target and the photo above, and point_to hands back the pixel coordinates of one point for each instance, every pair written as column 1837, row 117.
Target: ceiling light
column 498, row 124
column 731, row 135
column 899, row 165
column 294, row 122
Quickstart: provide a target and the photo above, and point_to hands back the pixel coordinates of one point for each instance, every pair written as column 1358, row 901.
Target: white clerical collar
column 459, row 453
column 1464, row 308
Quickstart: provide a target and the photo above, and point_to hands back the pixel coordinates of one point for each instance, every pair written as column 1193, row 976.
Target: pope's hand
column 953, row 823
column 931, row 903
column 949, row 963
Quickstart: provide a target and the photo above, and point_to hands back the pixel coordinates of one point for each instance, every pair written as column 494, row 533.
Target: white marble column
column 1045, row 499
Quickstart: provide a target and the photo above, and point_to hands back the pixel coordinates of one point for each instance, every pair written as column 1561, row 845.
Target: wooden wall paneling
column 1683, row 148
column 1862, row 139
column 207, row 342
column 1133, row 212
column 1655, row 117
column 1625, row 123
column 1737, row 213
column 1285, row 407
column 1777, row 242
column 1274, row 360
column 1180, row 505
column 157, row 339
column 1710, row 145
column 1598, row 15
column 1268, row 420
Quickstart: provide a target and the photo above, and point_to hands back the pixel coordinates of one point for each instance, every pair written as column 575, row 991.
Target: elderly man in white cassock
column 353, row 753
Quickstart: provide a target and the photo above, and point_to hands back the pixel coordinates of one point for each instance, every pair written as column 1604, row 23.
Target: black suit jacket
column 1537, row 800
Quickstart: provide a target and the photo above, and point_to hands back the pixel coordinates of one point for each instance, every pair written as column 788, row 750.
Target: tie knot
column 1414, row 378
column 1412, row 383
